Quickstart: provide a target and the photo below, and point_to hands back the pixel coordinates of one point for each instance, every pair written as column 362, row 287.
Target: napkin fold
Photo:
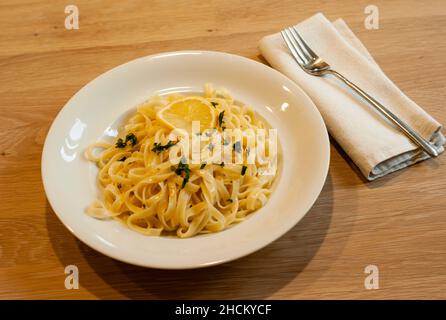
column 370, row 140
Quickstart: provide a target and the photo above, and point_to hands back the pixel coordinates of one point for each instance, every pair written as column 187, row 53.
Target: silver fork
column 314, row 65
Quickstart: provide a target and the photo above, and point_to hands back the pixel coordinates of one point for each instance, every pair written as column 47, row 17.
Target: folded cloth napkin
column 369, row 139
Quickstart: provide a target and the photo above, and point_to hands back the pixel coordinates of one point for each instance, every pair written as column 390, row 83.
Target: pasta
column 142, row 187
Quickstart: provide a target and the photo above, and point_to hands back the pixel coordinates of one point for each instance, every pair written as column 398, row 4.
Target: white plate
column 92, row 113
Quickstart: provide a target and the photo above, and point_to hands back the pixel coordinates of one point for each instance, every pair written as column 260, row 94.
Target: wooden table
column 397, row 223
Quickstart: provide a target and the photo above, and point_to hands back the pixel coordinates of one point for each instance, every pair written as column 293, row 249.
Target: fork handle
column 404, row 127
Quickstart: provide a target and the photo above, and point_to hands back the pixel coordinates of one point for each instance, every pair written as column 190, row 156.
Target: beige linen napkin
column 375, row 146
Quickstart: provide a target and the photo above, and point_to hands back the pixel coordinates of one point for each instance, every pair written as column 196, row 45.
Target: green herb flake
column 244, row 170
column 222, row 164
column 203, row 165
column 158, row 147
column 132, row 138
column 186, row 179
column 120, row 143
column 220, row 118
column 214, row 104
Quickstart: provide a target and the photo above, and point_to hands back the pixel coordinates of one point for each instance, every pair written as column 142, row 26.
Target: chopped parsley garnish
column 130, row 137
column 220, row 118
column 244, row 170
column 214, row 104
column 222, row 164
column 185, row 180
column 183, row 171
column 120, row 143
column 237, row 147
column 158, row 147
column 203, row 165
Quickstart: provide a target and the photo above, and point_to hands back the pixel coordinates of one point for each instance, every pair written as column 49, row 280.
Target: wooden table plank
column 397, row 223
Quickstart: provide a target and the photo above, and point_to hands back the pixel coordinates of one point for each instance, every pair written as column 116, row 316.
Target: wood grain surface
column 397, row 223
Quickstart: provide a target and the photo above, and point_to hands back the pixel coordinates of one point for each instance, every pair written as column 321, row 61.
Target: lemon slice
column 181, row 113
